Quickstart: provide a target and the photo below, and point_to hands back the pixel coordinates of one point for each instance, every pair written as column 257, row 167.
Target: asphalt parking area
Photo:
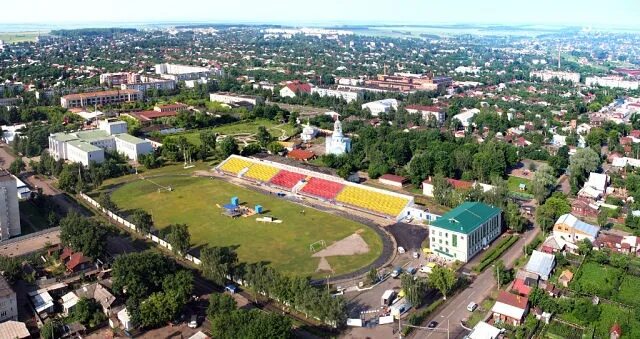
column 408, row 236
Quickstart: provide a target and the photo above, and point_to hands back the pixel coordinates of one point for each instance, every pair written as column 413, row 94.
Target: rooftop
column 14, row 329
column 83, row 145
column 571, row 221
column 541, row 263
column 129, row 138
column 100, row 94
column 466, row 217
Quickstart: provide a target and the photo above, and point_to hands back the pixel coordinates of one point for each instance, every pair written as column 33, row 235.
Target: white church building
column 337, row 143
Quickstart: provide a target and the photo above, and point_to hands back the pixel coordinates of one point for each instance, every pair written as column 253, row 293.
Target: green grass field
column 241, row 127
column 13, row 37
column 513, row 184
column 629, row 291
column 286, row 246
column 597, row 279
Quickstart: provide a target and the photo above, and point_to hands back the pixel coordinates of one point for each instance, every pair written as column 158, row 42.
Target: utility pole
column 399, row 327
column 448, row 332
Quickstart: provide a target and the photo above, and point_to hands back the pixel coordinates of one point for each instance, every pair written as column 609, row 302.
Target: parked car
column 231, row 288
column 433, row 324
column 411, row 270
column 472, row 306
column 401, row 250
column 396, row 272
column 193, row 323
column 416, row 255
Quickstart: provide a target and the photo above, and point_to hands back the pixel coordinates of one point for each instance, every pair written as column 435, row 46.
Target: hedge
column 495, row 253
column 418, row 318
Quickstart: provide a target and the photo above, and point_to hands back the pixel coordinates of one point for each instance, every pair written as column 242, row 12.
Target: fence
column 134, row 228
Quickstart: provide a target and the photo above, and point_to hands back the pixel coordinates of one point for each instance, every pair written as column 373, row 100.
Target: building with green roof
column 465, row 230
column 88, row 146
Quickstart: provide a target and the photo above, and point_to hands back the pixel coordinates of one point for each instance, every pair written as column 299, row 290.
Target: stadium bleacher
column 372, row 200
column 261, row 172
column 322, row 188
column 234, row 165
column 286, row 179
column 357, row 196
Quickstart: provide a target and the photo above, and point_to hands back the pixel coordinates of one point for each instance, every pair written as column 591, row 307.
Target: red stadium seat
column 286, row 179
column 322, row 188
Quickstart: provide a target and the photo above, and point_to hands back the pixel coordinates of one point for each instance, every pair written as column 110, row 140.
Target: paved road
column 456, row 309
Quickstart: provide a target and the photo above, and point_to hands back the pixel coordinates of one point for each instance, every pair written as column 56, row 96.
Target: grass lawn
column 241, row 127
column 286, row 246
column 629, row 291
column 33, row 219
column 513, row 184
column 625, row 317
column 170, row 169
column 597, row 279
column 13, row 37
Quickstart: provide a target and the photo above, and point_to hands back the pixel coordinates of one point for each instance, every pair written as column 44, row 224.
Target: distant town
column 263, row 181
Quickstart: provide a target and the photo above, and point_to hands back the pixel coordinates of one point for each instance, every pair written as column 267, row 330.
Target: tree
column 603, row 217
column 585, row 160
column 160, row 308
column 414, row 289
column 443, row 279
column 179, row 238
column 17, row 166
column 514, row 219
column 228, row 146
column 262, row 136
column 585, row 246
column 373, row 275
column 104, row 199
column 11, row 268
column 441, row 190
column 140, row 273
column 142, row 220
column 88, row 312
column 181, row 283
column 82, row 234
column 275, row 147
column 50, row 329
column 502, row 274
column 208, row 140
column 251, row 324
column 218, row 263
column 220, row 304
column 551, row 210
column 543, row 181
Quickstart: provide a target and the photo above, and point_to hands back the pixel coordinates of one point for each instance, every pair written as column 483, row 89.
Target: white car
column 472, row 306
column 416, row 255
column 194, row 321
column 401, row 250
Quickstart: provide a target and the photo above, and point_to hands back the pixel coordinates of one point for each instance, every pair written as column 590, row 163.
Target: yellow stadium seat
column 372, row 200
column 235, row 165
column 261, row 172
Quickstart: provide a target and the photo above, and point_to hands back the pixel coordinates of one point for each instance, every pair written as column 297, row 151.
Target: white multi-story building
column 465, row 230
column 147, row 83
column 185, row 72
column 229, row 98
column 9, row 210
column 381, row 106
column 427, row 112
column 100, row 98
column 548, row 75
column 348, row 95
column 88, row 146
column 8, row 301
column 612, row 82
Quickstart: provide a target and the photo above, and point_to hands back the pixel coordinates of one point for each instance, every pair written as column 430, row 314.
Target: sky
column 595, row 13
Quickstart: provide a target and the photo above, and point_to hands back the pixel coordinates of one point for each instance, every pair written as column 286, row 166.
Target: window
column 446, row 243
column 454, row 240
